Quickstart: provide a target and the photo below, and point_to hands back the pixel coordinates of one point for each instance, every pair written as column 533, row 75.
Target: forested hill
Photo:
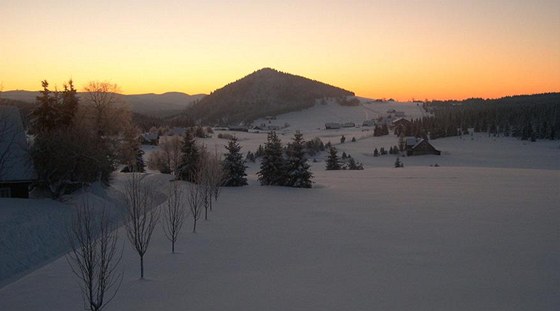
column 525, row 116
column 264, row 92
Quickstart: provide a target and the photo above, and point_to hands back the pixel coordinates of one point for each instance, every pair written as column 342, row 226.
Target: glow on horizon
column 399, row 49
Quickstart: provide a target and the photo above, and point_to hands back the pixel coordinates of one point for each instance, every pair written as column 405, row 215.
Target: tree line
column 80, row 141
column 526, row 117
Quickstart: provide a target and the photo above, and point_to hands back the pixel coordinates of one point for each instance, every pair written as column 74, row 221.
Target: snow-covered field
column 480, row 232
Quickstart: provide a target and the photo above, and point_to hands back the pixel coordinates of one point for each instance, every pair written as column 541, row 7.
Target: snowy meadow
column 478, row 232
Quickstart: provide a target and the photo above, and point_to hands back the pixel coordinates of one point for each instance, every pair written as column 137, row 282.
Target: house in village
column 16, row 167
column 176, row 131
column 418, row 146
column 401, row 122
column 332, row 125
column 149, row 138
column 369, row 123
column 402, row 125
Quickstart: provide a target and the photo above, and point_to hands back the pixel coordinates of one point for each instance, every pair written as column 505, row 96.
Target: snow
column 479, row 232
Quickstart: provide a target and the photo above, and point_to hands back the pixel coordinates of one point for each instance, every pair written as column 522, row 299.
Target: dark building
column 421, row 147
column 16, row 167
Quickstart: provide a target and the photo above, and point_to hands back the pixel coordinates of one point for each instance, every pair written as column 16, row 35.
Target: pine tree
column 333, row 163
column 234, row 165
column 353, row 165
column 190, row 157
column 260, row 152
column 398, row 162
column 250, row 157
column 44, row 117
column 139, row 166
column 69, row 104
column 298, row 174
column 273, row 164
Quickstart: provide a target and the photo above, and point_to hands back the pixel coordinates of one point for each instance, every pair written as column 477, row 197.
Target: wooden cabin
column 16, row 167
column 421, row 147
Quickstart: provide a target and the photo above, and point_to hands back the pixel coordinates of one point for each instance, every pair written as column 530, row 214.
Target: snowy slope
column 416, row 238
column 480, row 232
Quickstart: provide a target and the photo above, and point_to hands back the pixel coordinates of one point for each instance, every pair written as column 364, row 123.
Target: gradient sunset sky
column 400, row 49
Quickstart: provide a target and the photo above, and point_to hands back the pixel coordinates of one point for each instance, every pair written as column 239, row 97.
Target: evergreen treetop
column 273, row 164
column 234, row 165
column 298, row 174
column 333, row 163
column 190, row 157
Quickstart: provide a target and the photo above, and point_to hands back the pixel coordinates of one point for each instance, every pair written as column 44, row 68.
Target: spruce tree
column 45, row 116
column 190, row 157
column 69, row 104
column 273, row 164
column 298, row 174
column 353, row 165
column 333, row 163
column 139, row 165
column 234, row 165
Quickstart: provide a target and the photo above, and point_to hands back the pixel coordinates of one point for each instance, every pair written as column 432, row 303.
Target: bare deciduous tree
column 95, row 256
column 168, row 157
column 174, row 214
column 210, row 178
column 105, row 108
column 195, row 197
column 142, row 215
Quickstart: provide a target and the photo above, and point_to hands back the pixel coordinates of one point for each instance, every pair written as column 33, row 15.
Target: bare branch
column 142, row 215
column 95, row 256
column 174, row 214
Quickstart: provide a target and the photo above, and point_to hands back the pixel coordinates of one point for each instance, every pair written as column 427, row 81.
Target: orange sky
column 400, row 49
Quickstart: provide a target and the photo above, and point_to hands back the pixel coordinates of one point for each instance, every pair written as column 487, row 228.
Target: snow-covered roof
column 418, row 142
column 179, row 131
column 412, row 141
column 400, row 120
column 150, row 136
column 15, row 160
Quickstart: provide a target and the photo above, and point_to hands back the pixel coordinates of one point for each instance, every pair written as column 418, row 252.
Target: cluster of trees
column 527, row 117
column 96, row 254
column 81, row 140
column 310, row 147
column 285, row 166
column 383, row 151
column 343, row 140
column 185, row 158
column 381, row 130
column 346, row 162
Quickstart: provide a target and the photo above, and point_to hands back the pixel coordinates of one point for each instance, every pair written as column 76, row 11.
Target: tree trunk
column 194, row 226
column 141, row 266
column 173, row 247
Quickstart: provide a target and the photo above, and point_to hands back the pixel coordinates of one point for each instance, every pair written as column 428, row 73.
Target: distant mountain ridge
column 264, row 92
column 165, row 104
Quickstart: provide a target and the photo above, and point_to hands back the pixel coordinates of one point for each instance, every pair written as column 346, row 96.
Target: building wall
column 423, row 148
column 15, row 190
